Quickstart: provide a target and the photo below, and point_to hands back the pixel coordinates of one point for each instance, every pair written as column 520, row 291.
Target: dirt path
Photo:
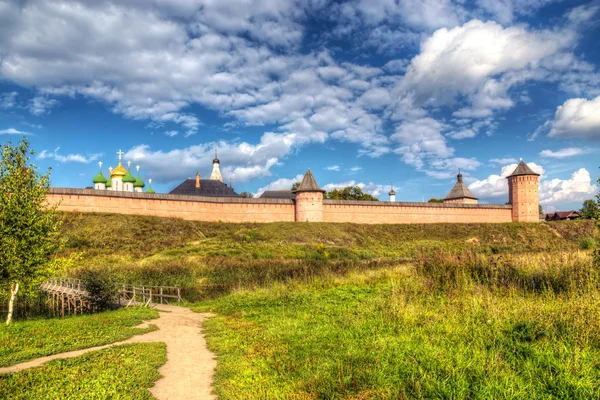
column 188, row 372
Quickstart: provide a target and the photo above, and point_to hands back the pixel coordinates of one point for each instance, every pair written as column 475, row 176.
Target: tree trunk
column 14, row 288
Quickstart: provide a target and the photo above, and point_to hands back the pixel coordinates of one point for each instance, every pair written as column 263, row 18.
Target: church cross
column 128, row 164
column 100, row 164
column 137, row 168
column 120, row 154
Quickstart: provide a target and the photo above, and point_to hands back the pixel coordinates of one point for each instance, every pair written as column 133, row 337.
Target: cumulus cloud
column 577, row 188
column 79, row 158
column 41, row 105
column 553, row 192
column 575, row 119
column 279, row 184
column 562, row 153
column 495, row 187
column 333, row 168
column 240, row 161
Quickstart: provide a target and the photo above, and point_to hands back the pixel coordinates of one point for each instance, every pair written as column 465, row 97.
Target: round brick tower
column 309, row 200
column 523, row 186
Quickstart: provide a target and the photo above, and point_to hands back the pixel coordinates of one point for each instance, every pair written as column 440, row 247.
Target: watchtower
column 309, row 200
column 523, row 186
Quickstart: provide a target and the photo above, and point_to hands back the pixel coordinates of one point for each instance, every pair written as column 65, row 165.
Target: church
column 121, row 179
column 213, row 187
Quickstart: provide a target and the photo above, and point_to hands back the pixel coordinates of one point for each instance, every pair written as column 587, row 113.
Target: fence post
column 178, row 296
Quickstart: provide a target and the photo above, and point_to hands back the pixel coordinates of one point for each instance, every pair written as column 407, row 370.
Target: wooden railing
column 149, row 294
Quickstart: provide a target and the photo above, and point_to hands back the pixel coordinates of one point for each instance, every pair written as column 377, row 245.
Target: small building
column 563, row 216
column 460, row 193
column 213, row 187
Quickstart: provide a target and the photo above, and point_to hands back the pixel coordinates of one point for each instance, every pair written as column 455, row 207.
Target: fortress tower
column 460, row 193
column 523, row 194
column 309, row 200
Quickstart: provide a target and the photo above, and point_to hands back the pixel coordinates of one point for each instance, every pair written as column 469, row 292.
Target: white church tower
column 216, row 172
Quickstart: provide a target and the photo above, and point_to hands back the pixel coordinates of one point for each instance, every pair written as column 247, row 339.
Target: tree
column 295, row 186
column 435, row 201
column 29, row 227
column 540, row 209
column 246, row 195
column 349, row 193
column 590, row 210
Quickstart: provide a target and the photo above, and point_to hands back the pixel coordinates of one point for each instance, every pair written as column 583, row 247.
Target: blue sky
column 364, row 92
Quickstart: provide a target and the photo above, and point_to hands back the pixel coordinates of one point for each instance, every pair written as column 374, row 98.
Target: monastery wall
column 366, row 212
column 162, row 205
column 274, row 210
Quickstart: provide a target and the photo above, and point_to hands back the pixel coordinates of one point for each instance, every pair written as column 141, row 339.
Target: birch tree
column 29, row 227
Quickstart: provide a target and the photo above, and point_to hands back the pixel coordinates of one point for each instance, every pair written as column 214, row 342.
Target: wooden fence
column 149, row 294
column 66, row 296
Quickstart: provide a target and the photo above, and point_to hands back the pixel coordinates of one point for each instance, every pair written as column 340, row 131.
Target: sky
column 366, row 93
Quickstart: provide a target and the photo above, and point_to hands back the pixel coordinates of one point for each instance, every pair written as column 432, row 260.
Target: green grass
column 208, row 260
column 122, row 372
column 443, row 328
column 29, row 339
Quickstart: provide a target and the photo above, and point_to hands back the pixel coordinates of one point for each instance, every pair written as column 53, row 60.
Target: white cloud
column 562, row 153
column 240, row 161
column 577, row 188
column 553, row 192
column 478, row 63
column 575, row 119
column 13, row 131
column 355, row 168
column 79, row 158
column 279, row 184
column 41, row 105
column 495, row 187
column 8, row 100
column 171, row 133
column 333, row 168
column 421, row 139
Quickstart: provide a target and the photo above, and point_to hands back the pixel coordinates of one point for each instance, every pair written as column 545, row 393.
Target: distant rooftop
column 208, row 187
column 278, row 194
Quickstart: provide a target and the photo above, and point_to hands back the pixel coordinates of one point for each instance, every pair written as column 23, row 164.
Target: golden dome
column 118, row 172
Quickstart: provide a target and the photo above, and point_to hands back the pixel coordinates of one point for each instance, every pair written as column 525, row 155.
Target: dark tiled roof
column 277, row 194
column 523, row 169
column 460, row 191
column 208, row 187
column 308, row 184
column 567, row 214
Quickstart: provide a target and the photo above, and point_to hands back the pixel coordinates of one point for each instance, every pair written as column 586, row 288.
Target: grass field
column 29, row 339
column 320, row 311
column 123, row 372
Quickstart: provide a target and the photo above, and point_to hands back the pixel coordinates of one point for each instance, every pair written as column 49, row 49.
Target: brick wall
column 365, row 212
column 185, row 207
column 273, row 210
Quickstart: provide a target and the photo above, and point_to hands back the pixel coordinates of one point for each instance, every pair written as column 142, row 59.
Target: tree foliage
column 246, row 195
column 435, row 201
column 29, row 227
column 295, row 186
column 349, row 193
column 590, row 210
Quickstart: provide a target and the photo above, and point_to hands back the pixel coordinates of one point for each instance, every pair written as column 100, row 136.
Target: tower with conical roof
column 392, row 194
column 99, row 180
column 128, row 179
column 309, row 200
column 216, row 172
column 138, row 185
column 460, row 193
column 523, row 186
column 117, row 175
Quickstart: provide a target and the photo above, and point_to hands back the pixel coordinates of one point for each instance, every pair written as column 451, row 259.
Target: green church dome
column 128, row 178
column 138, row 182
column 150, row 190
column 99, row 178
column 109, row 183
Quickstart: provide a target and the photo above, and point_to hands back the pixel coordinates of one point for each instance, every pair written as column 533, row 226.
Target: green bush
column 102, row 287
column 587, row 243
